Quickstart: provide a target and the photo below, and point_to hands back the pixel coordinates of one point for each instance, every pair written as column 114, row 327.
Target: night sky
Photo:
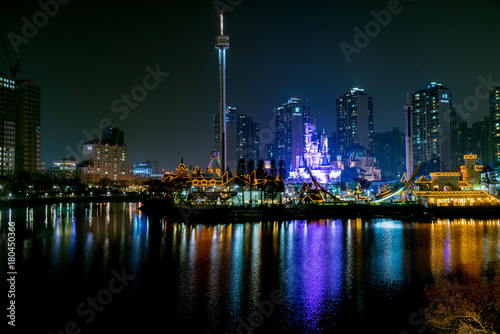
column 92, row 52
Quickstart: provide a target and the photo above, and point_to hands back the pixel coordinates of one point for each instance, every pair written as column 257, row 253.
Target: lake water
column 108, row 268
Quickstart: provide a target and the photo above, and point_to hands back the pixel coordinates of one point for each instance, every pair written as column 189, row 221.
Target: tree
column 250, row 166
column 281, row 169
column 250, row 169
column 260, row 173
column 240, row 170
column 273, row 168
column 463, row 304
column 104, row 183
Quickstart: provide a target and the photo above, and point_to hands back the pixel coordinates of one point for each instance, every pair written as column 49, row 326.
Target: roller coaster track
column 319, row 187
column 405, row 188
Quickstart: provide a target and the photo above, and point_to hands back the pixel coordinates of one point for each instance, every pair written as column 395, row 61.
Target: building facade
column 20, row 111
column 446, row 188
column 354, row 121
column 358, row 162
column 65, row 168
column 495, row 126
column 480, row 140
column 147, row 168
column 242, row 138
column 8, row 103
column 432, row 127
column 290, row 118
column 105, row 159
column 389, row 149
column 28, row 128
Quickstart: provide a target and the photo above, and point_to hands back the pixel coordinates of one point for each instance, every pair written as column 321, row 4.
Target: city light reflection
column 225, row 271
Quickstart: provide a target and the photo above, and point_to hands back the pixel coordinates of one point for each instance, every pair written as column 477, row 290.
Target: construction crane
column 13, row 69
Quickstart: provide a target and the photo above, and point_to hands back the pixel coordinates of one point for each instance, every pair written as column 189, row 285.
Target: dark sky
column 91, row 52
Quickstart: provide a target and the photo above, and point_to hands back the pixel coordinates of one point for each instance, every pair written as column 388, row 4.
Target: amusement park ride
column 319, row 194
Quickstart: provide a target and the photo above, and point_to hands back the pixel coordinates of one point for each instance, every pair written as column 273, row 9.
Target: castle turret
column 472, row 172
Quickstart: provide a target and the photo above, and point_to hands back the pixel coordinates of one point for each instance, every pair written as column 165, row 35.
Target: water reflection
column 331, row 273
column 464, row 243
column 388, row 252
column 318, row 265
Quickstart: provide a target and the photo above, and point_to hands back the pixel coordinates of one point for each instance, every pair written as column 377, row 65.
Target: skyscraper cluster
column 242, row 137
column 439, row 137
column 435, row 134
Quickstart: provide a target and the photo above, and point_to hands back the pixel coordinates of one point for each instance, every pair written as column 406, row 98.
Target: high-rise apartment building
column 28, row 127
column 290, row 118
column 495, row 125
column 242, row 138
column 20, row 110
column 105, row 158
column 8, row 103
column 389, row 149
column 480, row 141
column 432, row 127
column 113, row 135
column 354, row 121
column 232, row 139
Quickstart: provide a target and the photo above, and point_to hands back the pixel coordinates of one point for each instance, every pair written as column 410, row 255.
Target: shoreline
column 160, row 208
column 77, row 199
column 211, row 214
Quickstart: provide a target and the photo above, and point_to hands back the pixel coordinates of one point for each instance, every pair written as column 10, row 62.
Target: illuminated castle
column 315, row 156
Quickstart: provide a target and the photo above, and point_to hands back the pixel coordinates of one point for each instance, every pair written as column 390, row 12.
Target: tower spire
column 221, row 24
column 222, row 44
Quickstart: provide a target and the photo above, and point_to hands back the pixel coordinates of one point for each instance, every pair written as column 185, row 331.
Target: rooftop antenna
column 221, row 23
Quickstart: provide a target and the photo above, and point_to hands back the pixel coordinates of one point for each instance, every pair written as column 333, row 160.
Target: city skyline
column 131, row 50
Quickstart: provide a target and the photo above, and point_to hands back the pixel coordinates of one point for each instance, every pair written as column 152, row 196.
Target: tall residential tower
column 7, row 124
column 495, row 125
column 28, row 127
column 290, row 118
column 242, row 138
column 432, row 129
column 354, row 121
column 20, row 109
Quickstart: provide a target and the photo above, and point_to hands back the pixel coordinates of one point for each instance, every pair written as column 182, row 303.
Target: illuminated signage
column 444, row 98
